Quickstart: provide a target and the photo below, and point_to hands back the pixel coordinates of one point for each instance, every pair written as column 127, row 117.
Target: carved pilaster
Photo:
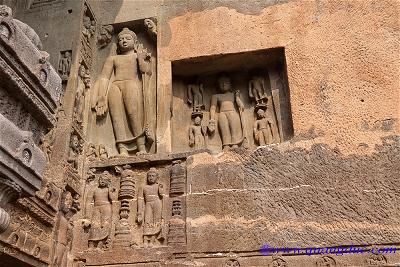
column 9, row 191
column 126, row 193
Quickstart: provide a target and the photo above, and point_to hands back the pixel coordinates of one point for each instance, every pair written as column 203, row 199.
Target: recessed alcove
column 267, row 66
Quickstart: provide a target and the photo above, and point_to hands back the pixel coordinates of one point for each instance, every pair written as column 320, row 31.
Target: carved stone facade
column 29, row 96
column 198, row 134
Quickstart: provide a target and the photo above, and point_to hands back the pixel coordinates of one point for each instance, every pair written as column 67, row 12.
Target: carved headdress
column 127, row 31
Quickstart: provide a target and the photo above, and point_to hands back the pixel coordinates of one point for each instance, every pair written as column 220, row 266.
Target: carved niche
column 123, row 109
column 231, row 106
column 64, row 64
column 129, row 208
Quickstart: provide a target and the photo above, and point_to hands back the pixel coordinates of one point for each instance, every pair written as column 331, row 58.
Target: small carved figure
column 64, row 66
column 80, row 95
column 325, row 261
column 102, row 209
column 263, row 129
column 74, row 151
column 91, row 151
column 91, row 175
column 232, row 263
column 125, row 96
column 47, row 142
column 376, row 259
column 278, row 262
column 97, row 151
column 258, row 90
column 150, row 207
column 195, row 96
column 229, row 120
column 88, row 27
column 85, row 76
column 151, row 28
column 103, row 153
column 197, row 133
column 75, row 206
column 105, row 35
column 64, row 231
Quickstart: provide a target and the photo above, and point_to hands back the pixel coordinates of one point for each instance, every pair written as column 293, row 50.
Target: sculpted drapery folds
column 150, row 205
column 125, row 95
column 229, row 119
column 100, row 218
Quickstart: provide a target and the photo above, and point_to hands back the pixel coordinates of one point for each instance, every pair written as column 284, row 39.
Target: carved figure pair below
column 230, row 121
column 125, row 97
column 96, row 151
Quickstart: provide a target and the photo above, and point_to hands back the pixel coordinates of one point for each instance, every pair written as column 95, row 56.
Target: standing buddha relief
column 122, row 89
column 230, row 117
column 150, row 207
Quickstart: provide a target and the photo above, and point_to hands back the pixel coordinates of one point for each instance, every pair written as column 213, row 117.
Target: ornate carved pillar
column 9, row 191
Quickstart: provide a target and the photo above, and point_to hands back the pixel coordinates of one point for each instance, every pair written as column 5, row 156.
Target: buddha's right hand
column 101, row 106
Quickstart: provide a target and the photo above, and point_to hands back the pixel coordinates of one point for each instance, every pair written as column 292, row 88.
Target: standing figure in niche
column 150, row 207
column 264, row 129
column 258, row 90
column 74, row 151
column 64, row 66
column 125, row 97
column 229, row 120
column 197, row 133
column 102, row 209
column 195, row 96
column 80, row 94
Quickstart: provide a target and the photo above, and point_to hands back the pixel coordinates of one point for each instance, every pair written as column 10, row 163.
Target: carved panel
column 129, row 208
column 15, row 111
column 230, row 106
column 123, row 120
